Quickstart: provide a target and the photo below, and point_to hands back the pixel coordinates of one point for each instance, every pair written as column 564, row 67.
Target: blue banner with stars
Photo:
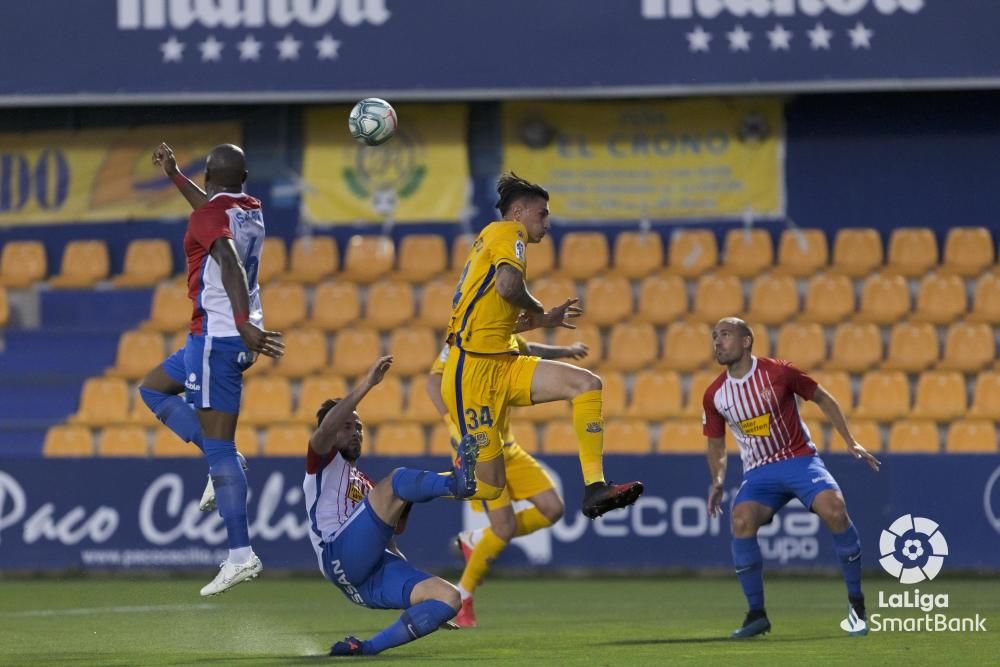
column 338, row 50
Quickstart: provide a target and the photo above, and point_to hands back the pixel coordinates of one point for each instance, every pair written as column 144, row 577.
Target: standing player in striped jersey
column 223, row 245
column 352, row 522
column 755, row 396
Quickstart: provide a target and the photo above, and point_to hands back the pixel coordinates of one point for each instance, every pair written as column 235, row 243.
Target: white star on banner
column 327, row 48
column 288, row 48
column 739, row 39
column 861, row 37
column 698, row 39
column 819, row 37
column 172, row 50
column 779, row 38
column 211, row 49
column 249, row 48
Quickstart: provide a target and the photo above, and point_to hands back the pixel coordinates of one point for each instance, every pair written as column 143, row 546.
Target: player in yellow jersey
column 526, row 480
column 483, row 376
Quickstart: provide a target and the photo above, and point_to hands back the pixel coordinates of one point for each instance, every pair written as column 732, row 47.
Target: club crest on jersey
column 766, row 395
column 594, row 427
column 519, row 249
column 354, row 493
column 757, row 426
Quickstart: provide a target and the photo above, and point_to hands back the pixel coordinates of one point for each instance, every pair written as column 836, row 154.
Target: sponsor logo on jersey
column 757, row 426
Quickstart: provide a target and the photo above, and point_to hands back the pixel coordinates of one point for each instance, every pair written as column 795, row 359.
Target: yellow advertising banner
column 101, row 175
column 420, row 175
column 670, row 159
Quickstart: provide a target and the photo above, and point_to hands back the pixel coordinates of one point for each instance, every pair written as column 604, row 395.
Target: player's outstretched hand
column 577, row 350
column 378, row 370
column 163, row 157
column 258, row 340
column 559, row 316
column 715, row 494
column 859, row 452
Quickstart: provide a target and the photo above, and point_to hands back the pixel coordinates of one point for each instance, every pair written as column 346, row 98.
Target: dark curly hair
column 512, row 187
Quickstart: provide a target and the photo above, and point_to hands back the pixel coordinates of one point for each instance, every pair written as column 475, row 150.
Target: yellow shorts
column 525, row 479
column 478, row 390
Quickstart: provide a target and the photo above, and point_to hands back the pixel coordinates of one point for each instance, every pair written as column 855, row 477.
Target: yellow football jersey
column 482, row 321
column 518, row 343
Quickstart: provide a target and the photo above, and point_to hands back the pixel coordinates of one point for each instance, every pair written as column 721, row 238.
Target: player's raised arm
column 511, row 286
column 234, row 280
column 577, row 350
column 343, row 411
column 163, row 157
column 831, row 408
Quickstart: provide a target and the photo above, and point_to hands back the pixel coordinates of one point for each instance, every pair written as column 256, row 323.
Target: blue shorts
column 774, row 484
column 357, row 562
column 211, row 370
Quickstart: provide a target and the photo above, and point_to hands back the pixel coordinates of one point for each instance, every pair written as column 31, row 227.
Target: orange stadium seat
column 461, row 245
column 914, row 436
column 419, row 407
column 315, row 390
column 885, row 298
column 261, row 366
column 147, row 261
column 247, row 441
column 627, row 436
column 103, row 401
column 384, row 403
column 883, row 396
column 692, row 252
column 123, row 441
column 68, row 440
column 390, row 304
column 541, row 258
column 614, row 393
column 140, row 413
column 399, row 439
column 526, row 435
column 440, row 440
column 171, row 309
column 761, row 339
column 686, row 347
column 694, row 406
column 138, row 353
column 266, row 400
column 368, row 258
column 284, row 305
column 855, row 348
column 940, row 396
column 986, row 397
column 968, row 347
column 972, row 436
column 717, row 295
column 589, row 335
column 336, row 304
column 968, row 251
column 774, row 299
column 802, row 344
column 607, row 300
column 554, row 290
column 305, row 354
column 817, row 434
column 748, row 252
column 166, row 443
column 662, row 299
column 22, row 263
column 829, row 299
column 802, row 252
column 421, row 257
column 313, row 259
column 413, row 349
column 355, row 350
column 4, row 307
column 912, row 347
column 838, row 385
column 637, row 254
column 986, row 300
column 941, row 299
column 912, row 251
column 435, row 303
column 286, row 440
column 582, row 254
column 865, row 431
column 560, row 438
column 856, row 252
column 84, row 263
column 656, row 395
column 631, row 346
column 682, row 436
column 273, row 260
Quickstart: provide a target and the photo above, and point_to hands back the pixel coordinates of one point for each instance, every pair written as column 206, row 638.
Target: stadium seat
column 627, row 436
column 553, row 291
column 968, row 347
column 656, row 395
column 747, row 252
column 167, row 444
column 560, row 438
column 526, row 435
column 855, row 348
column 613, row 393
column 986, row 300
column 912, row 348
column 22, row 263
column 542, row 412
column 912, row 251
column 138, row 353
column 261, row 366
column 355, row 350
column 637, row 254
column 582, row 254
column 968, row 251
column 694, row 406
column 284, row 305
column 273, row 259
column 589, row 335
column 802, row 344
column 440, row 440
column 914, row 436
column 314, row 391
column 147, row 261
column 829, row 299
column 885, row 298
column 761, row 339
column 384, row 402
column 972, row 436
column 68, row 440
column 717, row 295
column 266, row 400
column 103, row 401
column 802, row 252
column 662, row 299
column 421, row 257
column 631, row 346
column 838, row 385
column 368, row 258
column 336, row 304
column 941, row 299
column 435, row 304
column 883, row 396
column 305, row 353
column 124, row 441
column 418, row 404
column 692, row 252
column 390, row 305
column 940, row 396
column 314, row 258
column 4, row 307
column 413, row 350
column 461, row 245
column 607, row 300
column 140, row 414
column 681, row 436
column 84, row 263
column 171, row 309
column 398, row 439
column 986, row 397
column 817, row 434
column 856, row 252
column 286, row 440
column 774, row 299
column 541, row 258
column 686, row 347
column 865, row 431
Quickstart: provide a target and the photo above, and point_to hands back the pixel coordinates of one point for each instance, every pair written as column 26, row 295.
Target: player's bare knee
column 449, row 595
column 585, row 381
column 504, row 526
column 744, row 524
column 550, row 505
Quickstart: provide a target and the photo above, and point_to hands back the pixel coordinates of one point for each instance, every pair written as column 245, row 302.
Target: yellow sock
column 530, row 520
column 482, row 558
column 485, row 491
column 589, row 426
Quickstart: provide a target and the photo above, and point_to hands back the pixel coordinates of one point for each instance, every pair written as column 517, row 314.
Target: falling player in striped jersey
column 352, row 522
column 756, row 398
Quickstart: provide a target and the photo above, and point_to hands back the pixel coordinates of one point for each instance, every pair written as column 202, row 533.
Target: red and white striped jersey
column 333, row 489
column 234, row 216
column 761, row 411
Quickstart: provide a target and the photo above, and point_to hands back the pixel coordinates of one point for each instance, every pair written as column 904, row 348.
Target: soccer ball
column 372, row 121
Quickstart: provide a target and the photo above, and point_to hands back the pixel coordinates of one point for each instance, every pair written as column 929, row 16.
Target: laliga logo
column 912, row 549
column 992, row 488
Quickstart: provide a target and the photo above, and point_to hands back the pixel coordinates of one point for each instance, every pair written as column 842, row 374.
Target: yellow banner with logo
column 702, row 158
column 420, row 175
column 100, row 175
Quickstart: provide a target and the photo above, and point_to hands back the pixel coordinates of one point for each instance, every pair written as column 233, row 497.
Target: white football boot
column 230, row 574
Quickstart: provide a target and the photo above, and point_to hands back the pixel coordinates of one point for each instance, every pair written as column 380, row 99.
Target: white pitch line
column 134, row 609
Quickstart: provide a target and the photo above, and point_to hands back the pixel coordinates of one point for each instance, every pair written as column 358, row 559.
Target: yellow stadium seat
column 589, row 335
column 419, row 407
column 140, row 413
column 968, row 347
column 284, row 305
column 461, row 245
column 662, row 299
column 607, row 300
column 390, row 305
column 84, row 263
column 802, row 252
column 286, row 440
column 968, row 251
column 368, row 258
column 865, row 431
column 627, row 436
column 941, row 299
column 273, row 260
column 435, row 303
column 656, row 395
column 972, row 436
column 526, row 435
column 986, row 300
column 717, row 295
column 686, row 347
column 986, row 397
column 912, row 348
column 856, row 252
column 336, row 304
column 315, row 390
column 560, row 438
column 829, row 299
column 22, row 263
column 541, row 258
column 582, row 254
column 421, row 257
column 147, row 261
column 123, row 441
column 761, row 339
column 413, row 350
column 856, row 348
column 440, row 441
column 682, row 436
column 314, row 258
column 613, row 392
column 940, row 396
column 631, row 346
column 384, row 403
column 103, row 401
column 261, row 366
column 305, row 353
column 838, row 385
column 802, row 344
column 4, row 307
column 774, row 299
column 355, row 350
column 177, row 340
column 399, row 439
column 694, row 405
column 554, row 290
column 692, row 252
column 914, row 436
column 171, row 309
column 266, row 400
column 637, row 254
column 912, row 251
column 748, row 252
column 883, row 396
column 138, row 353
column 817, row 434
column 885, row 298
column 167, row 444
column 246, row 440
column 68, row 440
column 542, row 412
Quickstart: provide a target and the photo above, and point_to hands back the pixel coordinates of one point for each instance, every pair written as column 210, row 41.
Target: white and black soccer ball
column 372, row 121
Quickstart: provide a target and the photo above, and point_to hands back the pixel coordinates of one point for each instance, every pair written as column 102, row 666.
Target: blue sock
column 749, row 570
column 175, row 413
column 230, row 489
column 419, row 620
column 848, row 545
column 419, row 486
